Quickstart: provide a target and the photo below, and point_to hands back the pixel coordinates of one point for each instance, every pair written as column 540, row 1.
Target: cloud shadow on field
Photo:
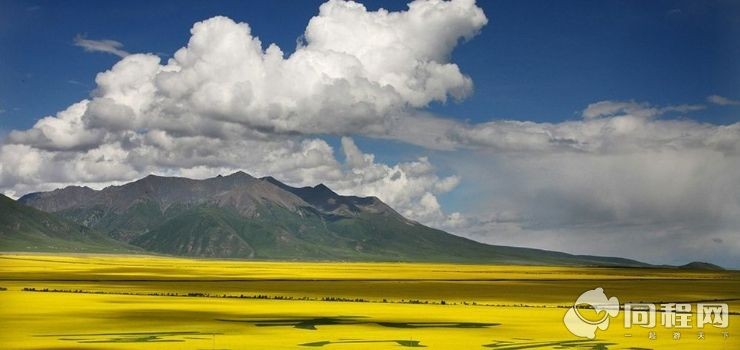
column 563, row 344
column 403, row 343
column 131, row 337
column 311, row 322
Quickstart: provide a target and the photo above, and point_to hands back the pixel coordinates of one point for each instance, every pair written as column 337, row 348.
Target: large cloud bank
column 628, row 179
column 226, row 101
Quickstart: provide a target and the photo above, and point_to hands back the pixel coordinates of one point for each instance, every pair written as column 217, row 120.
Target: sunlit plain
column 144, row 302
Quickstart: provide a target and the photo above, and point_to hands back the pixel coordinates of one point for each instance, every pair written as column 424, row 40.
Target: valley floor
column 144, row 302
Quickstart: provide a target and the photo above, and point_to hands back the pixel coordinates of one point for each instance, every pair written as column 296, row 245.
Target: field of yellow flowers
column 145, row 302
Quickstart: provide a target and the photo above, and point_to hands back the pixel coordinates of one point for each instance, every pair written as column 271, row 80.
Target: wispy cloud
column 75, row 82
column 104, row 45
column 723, row 101
column 641, row 110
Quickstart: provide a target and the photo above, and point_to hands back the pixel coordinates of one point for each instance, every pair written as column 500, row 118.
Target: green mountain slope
column 198, row 232
column 24, row 228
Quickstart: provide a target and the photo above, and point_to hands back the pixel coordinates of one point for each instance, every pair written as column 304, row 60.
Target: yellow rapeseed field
column 144, row 302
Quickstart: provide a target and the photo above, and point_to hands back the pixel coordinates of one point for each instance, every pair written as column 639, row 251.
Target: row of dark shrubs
column 274, row 297
column 241, row 296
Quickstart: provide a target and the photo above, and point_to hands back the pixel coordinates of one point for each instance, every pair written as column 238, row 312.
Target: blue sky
column 535, row 60
column 596, row 127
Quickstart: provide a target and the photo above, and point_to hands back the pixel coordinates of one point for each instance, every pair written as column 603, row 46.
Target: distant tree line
column 279, row 297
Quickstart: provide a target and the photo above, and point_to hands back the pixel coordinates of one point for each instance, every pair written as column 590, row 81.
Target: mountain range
column 240, row 216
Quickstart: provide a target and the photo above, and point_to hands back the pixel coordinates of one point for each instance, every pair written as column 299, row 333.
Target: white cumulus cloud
column 225, row 101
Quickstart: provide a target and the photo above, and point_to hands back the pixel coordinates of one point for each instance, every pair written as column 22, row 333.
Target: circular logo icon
column 595, row 299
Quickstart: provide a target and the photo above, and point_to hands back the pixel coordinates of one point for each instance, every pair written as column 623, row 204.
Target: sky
column 606, row 128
